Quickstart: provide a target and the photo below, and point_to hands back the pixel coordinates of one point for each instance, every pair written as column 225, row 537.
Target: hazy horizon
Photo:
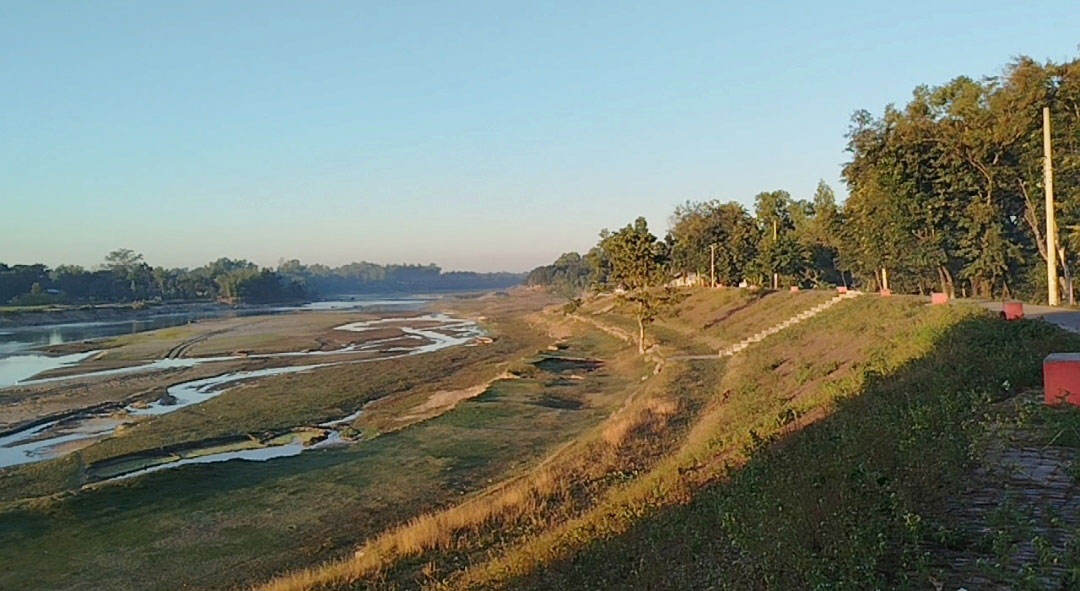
column 99, row 263
column 477, row 137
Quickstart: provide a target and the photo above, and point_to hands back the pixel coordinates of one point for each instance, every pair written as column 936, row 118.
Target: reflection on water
column 15, row 339
column 260, row 454
column 16, row 368
column 54, row 439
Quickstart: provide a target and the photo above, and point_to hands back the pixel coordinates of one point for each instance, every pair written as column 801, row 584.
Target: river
column 57, row 438
column 19, row 361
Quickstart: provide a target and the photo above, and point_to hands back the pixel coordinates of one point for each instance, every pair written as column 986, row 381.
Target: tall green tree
column 820, row 232
column 778, row 250
column 696, row 228
column 568, row 276
column 638, row 270
column 960, row 170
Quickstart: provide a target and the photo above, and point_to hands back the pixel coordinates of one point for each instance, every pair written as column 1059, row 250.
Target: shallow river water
column 19, row 362
column 59, row 437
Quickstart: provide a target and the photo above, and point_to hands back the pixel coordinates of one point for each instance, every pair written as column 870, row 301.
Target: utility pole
column 712, row 265
column 1051, row 225
column 775, row 275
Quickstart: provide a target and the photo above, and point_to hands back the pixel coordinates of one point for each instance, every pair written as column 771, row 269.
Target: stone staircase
column 800, row 317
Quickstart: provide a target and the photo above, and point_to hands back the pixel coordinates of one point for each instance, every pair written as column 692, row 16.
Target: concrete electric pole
column 1051, row 225
column 775, row 275
column 712, row 265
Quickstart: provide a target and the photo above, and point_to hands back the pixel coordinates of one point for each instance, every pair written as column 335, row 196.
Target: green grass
column 712, row 417
column 706, row 320
column 820, row 458
column 850, row 502
column 817, row 459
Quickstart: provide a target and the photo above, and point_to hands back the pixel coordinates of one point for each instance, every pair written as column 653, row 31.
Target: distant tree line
column 945, row 194
column 797, row 240
column 125, row 276
column 364, row 277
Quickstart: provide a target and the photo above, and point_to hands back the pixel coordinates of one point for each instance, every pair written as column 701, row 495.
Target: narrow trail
column 1025, row 497
column 181, row 349
column 611, row 330
column 652, row 354
column 760, row 336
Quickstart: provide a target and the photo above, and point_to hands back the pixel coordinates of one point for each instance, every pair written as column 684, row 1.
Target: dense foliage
column 569, row 275
column 945, row 194
column 798, row 240
column 948, row 190
column 126, row 277
column 364, row 277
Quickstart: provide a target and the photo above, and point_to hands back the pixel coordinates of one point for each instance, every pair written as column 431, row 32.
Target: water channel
column 51, row 439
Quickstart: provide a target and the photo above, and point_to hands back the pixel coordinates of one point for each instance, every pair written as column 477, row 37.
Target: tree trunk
column 641, row 334
column 1068, row 274
column 946, row 282
column 1032, row 218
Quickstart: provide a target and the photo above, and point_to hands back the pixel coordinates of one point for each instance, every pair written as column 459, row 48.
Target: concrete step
column 801, row 316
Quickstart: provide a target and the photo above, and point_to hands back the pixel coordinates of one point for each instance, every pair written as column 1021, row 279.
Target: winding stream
column 19, row 361
column 58, row 437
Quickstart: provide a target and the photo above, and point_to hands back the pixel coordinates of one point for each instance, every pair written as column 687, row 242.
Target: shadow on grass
column 851, row 502
column 733, row 311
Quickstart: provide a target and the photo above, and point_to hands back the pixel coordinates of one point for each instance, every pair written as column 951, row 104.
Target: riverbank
column 451, row 422
column 22, row 316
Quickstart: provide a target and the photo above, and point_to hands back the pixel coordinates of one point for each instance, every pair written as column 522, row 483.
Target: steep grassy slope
column 852, row 502
column 817, row 457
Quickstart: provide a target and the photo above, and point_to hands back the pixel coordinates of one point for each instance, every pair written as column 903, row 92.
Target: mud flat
column 57, row 438
column 287, row 469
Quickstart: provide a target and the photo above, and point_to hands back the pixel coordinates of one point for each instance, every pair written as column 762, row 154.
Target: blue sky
column 481, row 136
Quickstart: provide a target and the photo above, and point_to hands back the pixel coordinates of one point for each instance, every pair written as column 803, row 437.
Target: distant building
column 688, row 280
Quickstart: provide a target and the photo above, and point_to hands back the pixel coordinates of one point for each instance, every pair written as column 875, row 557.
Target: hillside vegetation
column 820, row 456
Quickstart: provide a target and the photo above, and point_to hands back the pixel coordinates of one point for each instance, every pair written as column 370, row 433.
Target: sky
column 478, row 136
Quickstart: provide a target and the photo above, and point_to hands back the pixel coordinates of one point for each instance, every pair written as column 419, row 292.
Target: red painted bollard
column 841, row 289
column 886, row 293
column 794, row 289
column 939, row 299
column 1061, row 379
column 1013, row 310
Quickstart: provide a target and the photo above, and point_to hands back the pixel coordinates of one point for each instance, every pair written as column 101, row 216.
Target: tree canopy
column 944, row 193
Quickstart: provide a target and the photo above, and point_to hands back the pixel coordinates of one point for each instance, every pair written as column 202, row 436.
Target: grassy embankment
column 819, row 458
column 222, row 525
